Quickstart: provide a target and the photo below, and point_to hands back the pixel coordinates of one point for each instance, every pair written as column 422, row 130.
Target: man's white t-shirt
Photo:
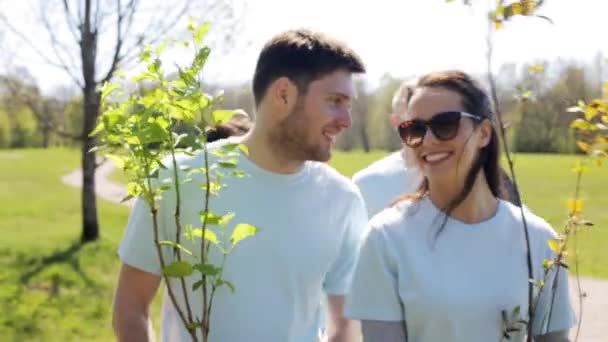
column 311, row 227
column 385, row 180
column 454, row 285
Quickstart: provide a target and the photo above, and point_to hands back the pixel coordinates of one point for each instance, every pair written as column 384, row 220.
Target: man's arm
column 134, row 293
column 557, row 336
column 340, row 328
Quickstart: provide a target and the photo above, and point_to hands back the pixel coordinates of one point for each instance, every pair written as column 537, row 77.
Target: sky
column 397, row 37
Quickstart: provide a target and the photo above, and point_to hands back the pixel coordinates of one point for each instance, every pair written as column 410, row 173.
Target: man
column 383, row 181
column 386, row 179
column 311, row 219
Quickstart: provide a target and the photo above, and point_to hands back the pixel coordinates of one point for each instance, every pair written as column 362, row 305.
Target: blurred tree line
column 534, row 105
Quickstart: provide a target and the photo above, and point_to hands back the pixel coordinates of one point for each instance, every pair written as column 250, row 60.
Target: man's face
column 310, row 130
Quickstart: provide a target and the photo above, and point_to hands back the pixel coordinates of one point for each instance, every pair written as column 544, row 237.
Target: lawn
column 53, row 289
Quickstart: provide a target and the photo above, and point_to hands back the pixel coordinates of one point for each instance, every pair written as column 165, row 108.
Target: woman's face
column 447, row 159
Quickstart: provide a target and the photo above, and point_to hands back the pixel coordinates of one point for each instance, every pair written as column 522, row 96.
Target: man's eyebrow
column 341, row 95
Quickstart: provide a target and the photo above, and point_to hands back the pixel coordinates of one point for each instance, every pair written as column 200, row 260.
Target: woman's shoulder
column 399, row 217
column 537, row 226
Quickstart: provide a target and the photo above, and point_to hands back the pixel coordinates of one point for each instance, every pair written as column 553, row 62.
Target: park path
column 595, row 306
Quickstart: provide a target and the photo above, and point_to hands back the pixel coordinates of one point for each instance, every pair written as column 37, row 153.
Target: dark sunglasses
column 444, row 126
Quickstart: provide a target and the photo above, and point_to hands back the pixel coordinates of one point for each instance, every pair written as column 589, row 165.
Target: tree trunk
column 90, row 225
column 88, row 51
column 46, row 136
column 364, row 137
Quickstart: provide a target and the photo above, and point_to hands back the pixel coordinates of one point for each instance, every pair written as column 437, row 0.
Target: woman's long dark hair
column 477, row 102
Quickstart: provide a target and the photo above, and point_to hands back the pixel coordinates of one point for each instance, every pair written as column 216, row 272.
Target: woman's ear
column 485, row 133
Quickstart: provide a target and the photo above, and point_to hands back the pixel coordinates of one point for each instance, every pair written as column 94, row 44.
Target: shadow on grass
column 67, row 259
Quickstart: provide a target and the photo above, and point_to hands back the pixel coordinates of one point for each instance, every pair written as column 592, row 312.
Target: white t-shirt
column 454, row 285
column 311, row 227
column 385, row 180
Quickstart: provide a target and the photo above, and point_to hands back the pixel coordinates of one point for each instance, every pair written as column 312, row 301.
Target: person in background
column 238, row 125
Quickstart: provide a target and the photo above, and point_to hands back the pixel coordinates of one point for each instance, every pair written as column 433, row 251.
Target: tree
column 22, row 91
column 89, row 43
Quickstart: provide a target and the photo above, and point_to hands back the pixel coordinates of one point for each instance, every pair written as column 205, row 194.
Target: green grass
column 53, row 289
column 547, row 182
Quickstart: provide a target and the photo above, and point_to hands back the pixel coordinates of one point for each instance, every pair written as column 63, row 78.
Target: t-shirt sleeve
column 137, row 248
column 338, row 278
column 374, row 292
column 558, row 299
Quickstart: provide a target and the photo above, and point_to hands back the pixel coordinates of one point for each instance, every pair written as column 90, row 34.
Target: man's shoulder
column 390, row 165
column 327, row 176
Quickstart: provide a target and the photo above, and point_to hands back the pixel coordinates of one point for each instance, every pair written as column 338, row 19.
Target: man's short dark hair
column 302, row 56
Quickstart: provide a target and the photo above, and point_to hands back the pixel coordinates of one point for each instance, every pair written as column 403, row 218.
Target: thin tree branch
column 503, row 135
column 71, row 22
column 56, row 44
column 120, row 35
column 40, row 54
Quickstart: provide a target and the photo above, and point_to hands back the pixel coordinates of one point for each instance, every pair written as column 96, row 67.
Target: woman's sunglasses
column 444, row 126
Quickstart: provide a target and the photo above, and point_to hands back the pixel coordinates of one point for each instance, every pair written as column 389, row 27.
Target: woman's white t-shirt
column 454, row 285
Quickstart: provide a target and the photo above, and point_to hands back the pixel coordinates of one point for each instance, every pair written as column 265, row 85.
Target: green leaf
column 197, row 285
column 224, row 220
column 218, row 153
column 134, row 189
column 539, row 284
column 536, row 68
column 591, row 111
column 241, row 232
column 232, row 147
column 178, row 269
column 119, row 161
column 583, row 146
column 575, row 207
column 239, row 174
column 209, row 235
column 191, row 24
column 146, row 54
column 547, row 264
column 201, row 58
column 527, row 94
column 244, row 148
column 175, row 245
column 108, row 88
column 221, row 282
column 161, row 47
column 209, row 218
column 155, row 67
column 228, row 163
column 222, row 116
column 201, row 32
column 555, row 246
column 207, row 269
column 98, row 129
column 145, row 76
column 516, row 312
column 580, row 124
column 214, row 188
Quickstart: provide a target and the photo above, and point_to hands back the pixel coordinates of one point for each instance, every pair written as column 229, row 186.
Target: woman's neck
column 479, row 205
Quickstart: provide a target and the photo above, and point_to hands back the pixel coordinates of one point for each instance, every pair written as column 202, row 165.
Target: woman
column 448, row 263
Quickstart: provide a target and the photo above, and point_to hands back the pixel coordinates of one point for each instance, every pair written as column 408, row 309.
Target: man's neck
column 268, row 157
